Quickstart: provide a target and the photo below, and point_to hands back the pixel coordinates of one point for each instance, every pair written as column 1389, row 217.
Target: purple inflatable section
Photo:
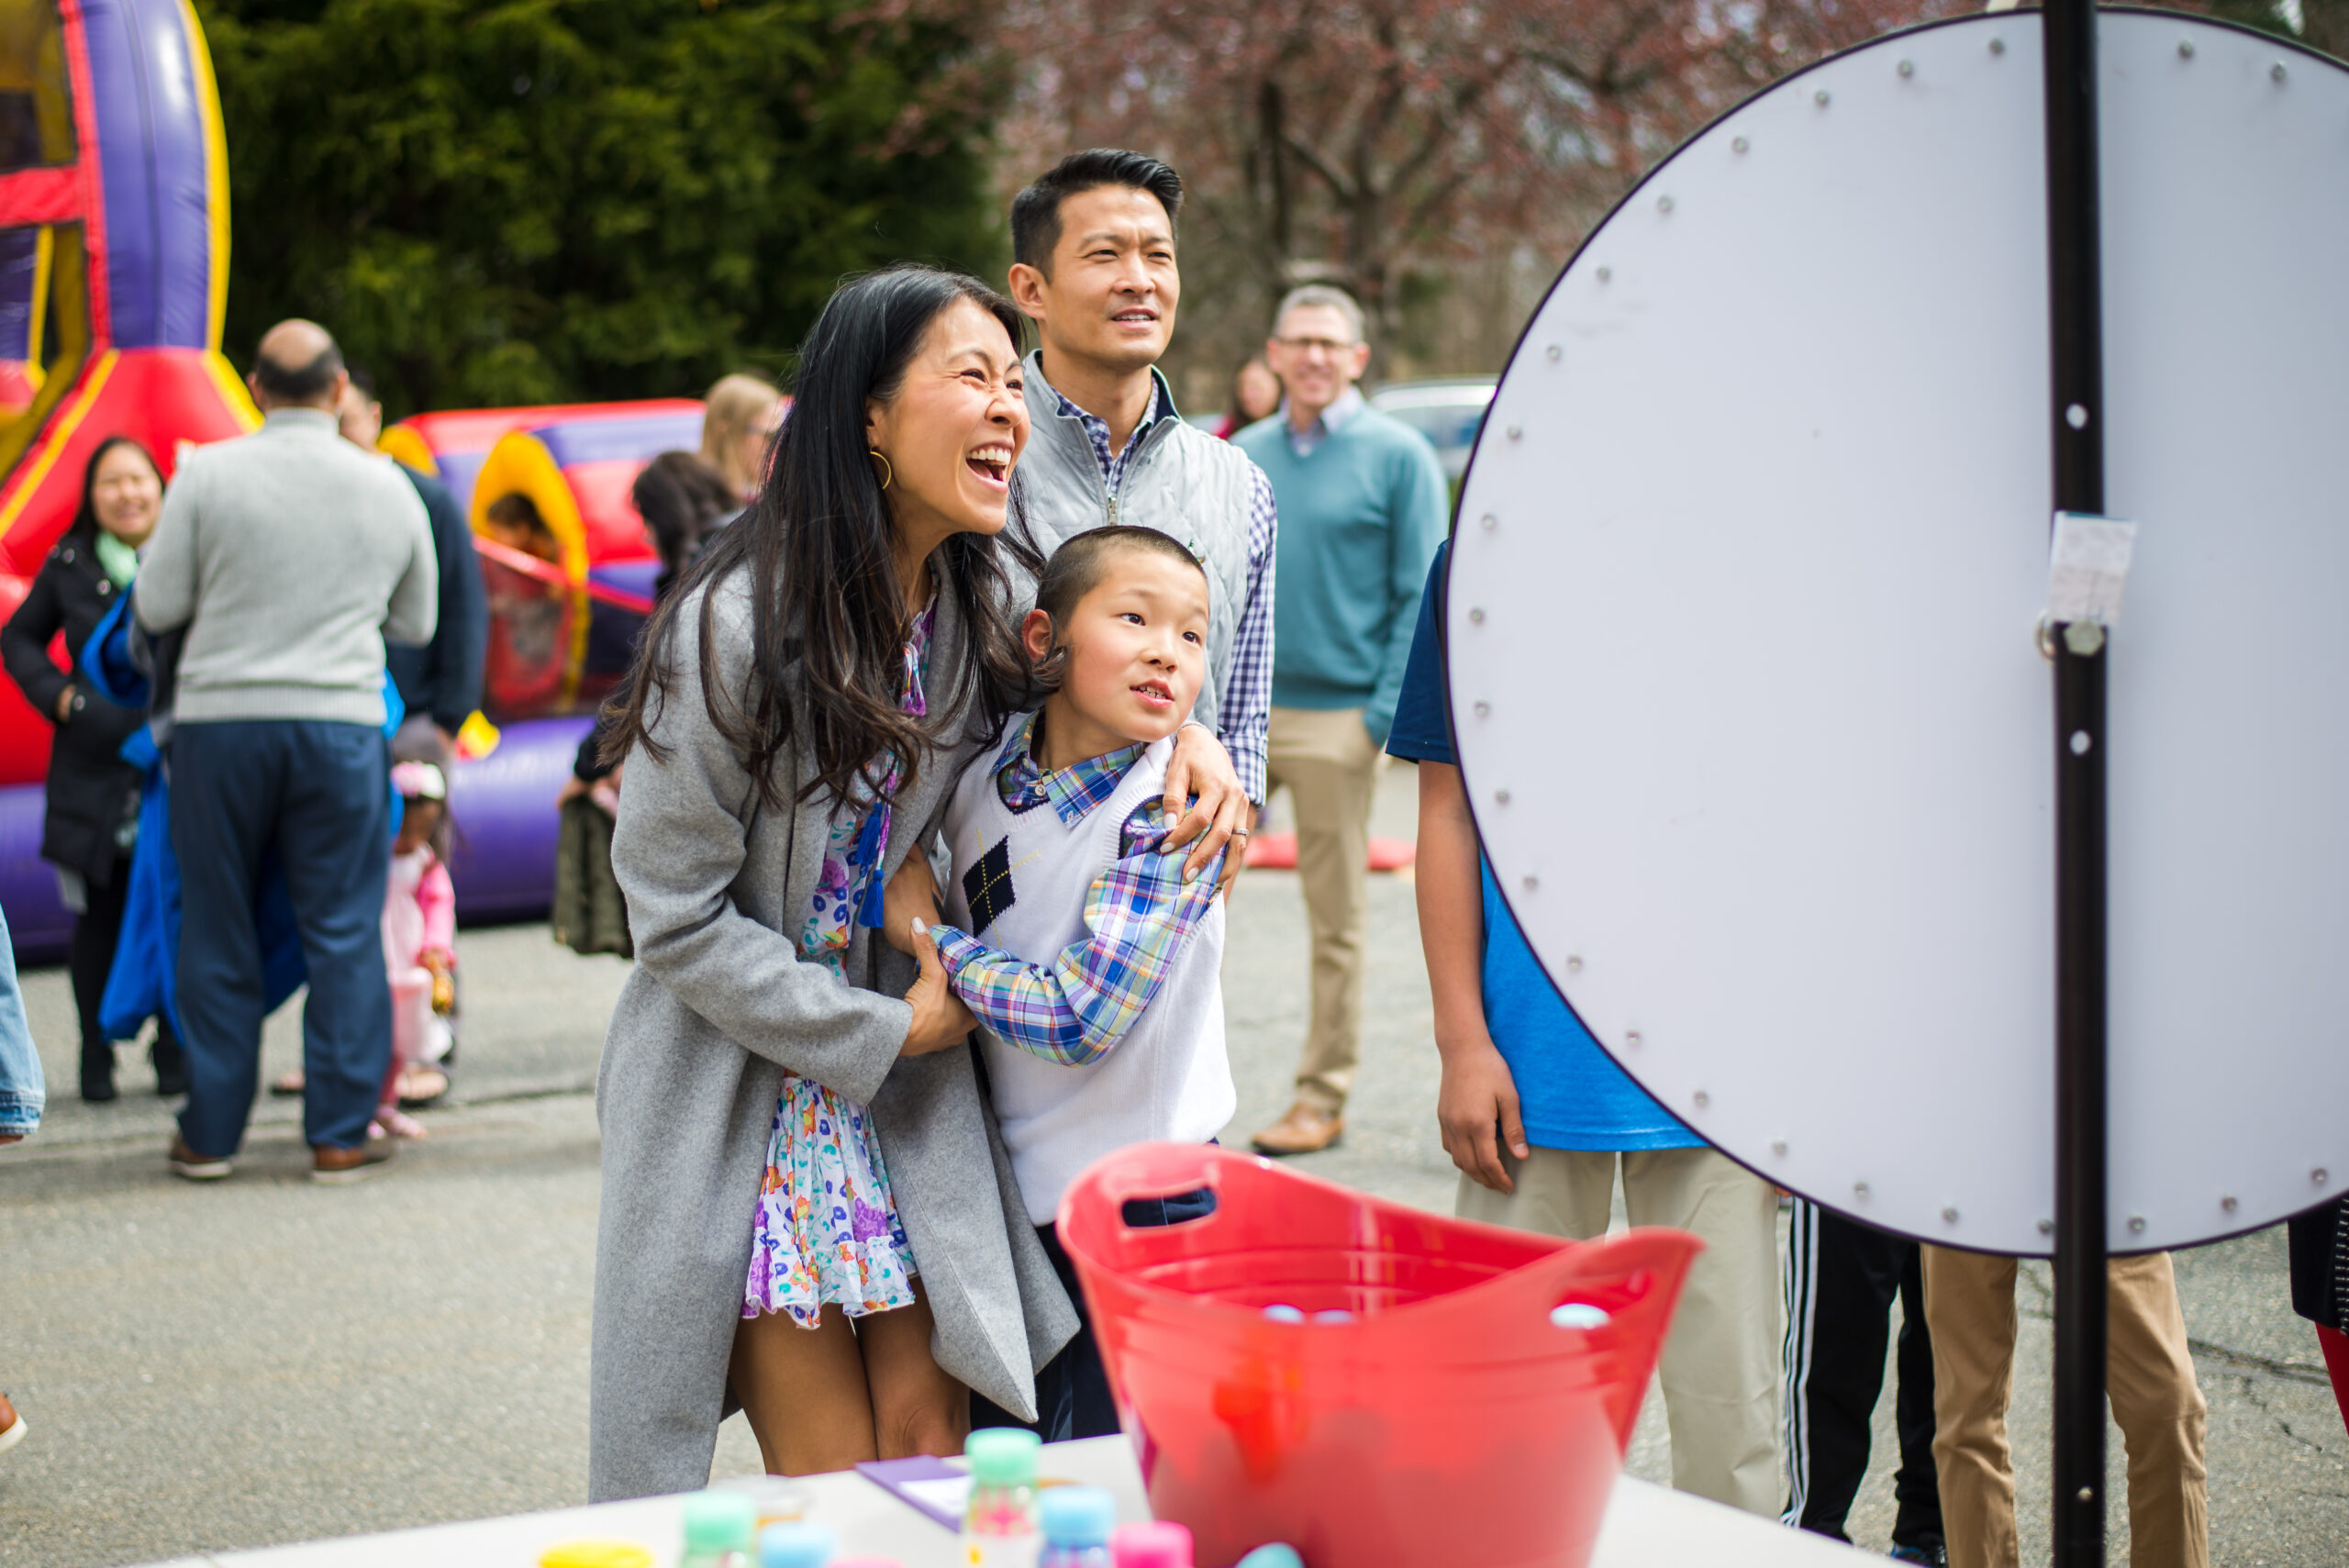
column 503, row 865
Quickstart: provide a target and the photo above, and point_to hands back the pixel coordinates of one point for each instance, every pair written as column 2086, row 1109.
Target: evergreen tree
column 538, row 200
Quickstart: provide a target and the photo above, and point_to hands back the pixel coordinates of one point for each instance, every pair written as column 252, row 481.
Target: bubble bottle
column 1000, row 1525
column 797, row 1544
column 719, row 1530
column 1078, row 1522
column 1160, row 1544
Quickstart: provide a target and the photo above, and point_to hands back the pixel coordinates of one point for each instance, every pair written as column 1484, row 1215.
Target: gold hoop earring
column 887, row 473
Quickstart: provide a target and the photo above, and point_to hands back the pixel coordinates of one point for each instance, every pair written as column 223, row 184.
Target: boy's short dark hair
column 1077, row 569
column 1036, row 211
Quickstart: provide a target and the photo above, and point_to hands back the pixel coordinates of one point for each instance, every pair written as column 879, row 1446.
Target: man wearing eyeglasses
column 1363, row 505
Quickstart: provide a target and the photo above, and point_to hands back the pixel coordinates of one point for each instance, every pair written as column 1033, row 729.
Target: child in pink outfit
column 419, row 942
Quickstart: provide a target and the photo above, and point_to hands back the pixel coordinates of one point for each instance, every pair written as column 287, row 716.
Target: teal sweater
column 1360, row 520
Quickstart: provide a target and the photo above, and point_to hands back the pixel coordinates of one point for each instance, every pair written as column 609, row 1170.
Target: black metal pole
column 2076, row 322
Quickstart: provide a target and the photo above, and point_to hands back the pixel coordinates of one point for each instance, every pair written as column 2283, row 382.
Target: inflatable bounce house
column 114, row 273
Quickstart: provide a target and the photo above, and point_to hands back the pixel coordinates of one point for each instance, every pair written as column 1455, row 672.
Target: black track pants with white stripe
column 1842, row 1279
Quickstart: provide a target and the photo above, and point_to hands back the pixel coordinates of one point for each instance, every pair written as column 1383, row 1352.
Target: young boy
column 1539, row 1120
column 1091, row 964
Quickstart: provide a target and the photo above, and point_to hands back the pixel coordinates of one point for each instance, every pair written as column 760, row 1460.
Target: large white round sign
column 1741, row 613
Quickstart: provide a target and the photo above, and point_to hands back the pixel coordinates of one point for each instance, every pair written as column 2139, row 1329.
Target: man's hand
column 910, row 897
column 1477, row 1106
column 1222, row 816
column 940, row 1022
column 65, row 701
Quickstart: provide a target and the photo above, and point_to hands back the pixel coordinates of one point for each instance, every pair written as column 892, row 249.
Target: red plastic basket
column 1449, row 1421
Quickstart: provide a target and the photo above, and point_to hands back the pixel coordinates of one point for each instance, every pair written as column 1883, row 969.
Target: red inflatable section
column 1376, row 1385
column 167, row 398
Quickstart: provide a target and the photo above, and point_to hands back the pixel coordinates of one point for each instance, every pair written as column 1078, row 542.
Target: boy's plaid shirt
column 1075, row 1009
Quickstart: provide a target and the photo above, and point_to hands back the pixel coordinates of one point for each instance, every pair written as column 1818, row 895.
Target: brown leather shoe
column 186, row 1162
column 1305, row 1130
column 338, row 1167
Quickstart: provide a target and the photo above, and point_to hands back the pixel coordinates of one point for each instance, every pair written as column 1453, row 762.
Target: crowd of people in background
column 1064, row 646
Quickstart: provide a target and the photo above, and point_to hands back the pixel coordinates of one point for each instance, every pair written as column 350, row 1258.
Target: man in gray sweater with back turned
column 287, row 556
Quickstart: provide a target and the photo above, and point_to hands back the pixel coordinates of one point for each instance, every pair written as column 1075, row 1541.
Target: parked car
column 1447, row 412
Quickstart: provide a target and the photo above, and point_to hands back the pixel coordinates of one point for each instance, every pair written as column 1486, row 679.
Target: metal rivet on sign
column 1516, row 432
column 1949, row 1216
column 2318, row 1177
column 2228, row 1203
column 2136, row 1225
column 1859, row 1189
column 2047, row 1227
column 2088, row 1494
column 1553, row 352
column 1484, row 710
column 1489, row 522
column 2081, row 741
column 1574, row 963
column 1739, row 144
column 2076, row 416
column 1664, row 203
column 1475, row 617
column 1778, row 1146
column 1819, row 97
column 1501, row 797
column 1908, row 68
column 2276, row 71
column 1533, row 883
column 1997, row 46
column 1605, row 273
column 1703, row 1099
column 2186, row 49
column 1632, row 1037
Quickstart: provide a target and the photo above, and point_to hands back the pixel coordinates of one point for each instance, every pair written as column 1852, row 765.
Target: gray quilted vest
column 1179, row 480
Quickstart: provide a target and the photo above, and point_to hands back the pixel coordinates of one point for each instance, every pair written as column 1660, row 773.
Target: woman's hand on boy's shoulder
column 1219, row 814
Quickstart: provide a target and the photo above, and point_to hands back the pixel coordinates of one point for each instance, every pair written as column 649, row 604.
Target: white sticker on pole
column 2087, row 567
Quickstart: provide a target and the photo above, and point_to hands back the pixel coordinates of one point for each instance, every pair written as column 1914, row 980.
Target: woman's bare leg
column 804, row 1391
column 917, row 1407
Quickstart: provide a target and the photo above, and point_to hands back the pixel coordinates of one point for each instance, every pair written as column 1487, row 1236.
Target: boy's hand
column 1477, row 1106
column 1201, row 767
column 940, row 1022
column 912, row 894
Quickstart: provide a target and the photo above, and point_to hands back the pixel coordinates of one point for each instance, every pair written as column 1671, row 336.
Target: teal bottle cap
column 720, row 1521
column 796, row 1545
column 1279, row 1554
column 1003, row 1456
column 1078, row 1516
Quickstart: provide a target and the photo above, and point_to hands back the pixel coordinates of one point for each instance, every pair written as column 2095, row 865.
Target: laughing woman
column 789, row 1118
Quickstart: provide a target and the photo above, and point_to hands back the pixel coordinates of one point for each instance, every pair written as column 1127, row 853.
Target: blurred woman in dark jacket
column 92, row 821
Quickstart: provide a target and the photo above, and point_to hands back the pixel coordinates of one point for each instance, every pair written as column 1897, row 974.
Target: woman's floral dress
column 827, row 1229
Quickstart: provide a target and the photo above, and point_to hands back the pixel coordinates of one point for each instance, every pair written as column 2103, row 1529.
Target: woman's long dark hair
column 828, row 611
column 85, row 521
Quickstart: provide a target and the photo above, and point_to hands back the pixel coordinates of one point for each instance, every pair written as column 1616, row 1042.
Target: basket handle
column 1160, row 1170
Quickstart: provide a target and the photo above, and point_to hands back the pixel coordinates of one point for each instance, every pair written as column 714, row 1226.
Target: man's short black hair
column 299, row 384
column 1036, row 211
column 362, row 381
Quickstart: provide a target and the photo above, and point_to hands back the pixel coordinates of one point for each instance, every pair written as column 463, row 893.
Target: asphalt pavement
column 262, row 1360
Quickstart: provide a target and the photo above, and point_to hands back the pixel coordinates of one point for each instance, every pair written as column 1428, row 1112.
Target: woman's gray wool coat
column 717, row 1008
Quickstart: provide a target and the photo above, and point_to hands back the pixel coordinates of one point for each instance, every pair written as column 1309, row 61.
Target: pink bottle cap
column 1160, row 1544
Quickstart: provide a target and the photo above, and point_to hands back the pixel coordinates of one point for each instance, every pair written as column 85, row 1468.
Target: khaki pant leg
column 2149, row 1378
column 1970, row 1311
column 1331, row 765
column 1721, row 1365
column 1560, row 1192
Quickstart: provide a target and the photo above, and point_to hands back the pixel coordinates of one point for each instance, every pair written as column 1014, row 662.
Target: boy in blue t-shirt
column 1538, row 1119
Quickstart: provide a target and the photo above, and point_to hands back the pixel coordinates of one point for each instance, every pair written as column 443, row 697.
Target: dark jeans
column 97, row 932
column 319, row 793
column 1842, row 1279
column 1072, row 1397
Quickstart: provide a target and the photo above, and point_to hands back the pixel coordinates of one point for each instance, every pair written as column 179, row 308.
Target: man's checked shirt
column 1246, row 710
column 1137, row 914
